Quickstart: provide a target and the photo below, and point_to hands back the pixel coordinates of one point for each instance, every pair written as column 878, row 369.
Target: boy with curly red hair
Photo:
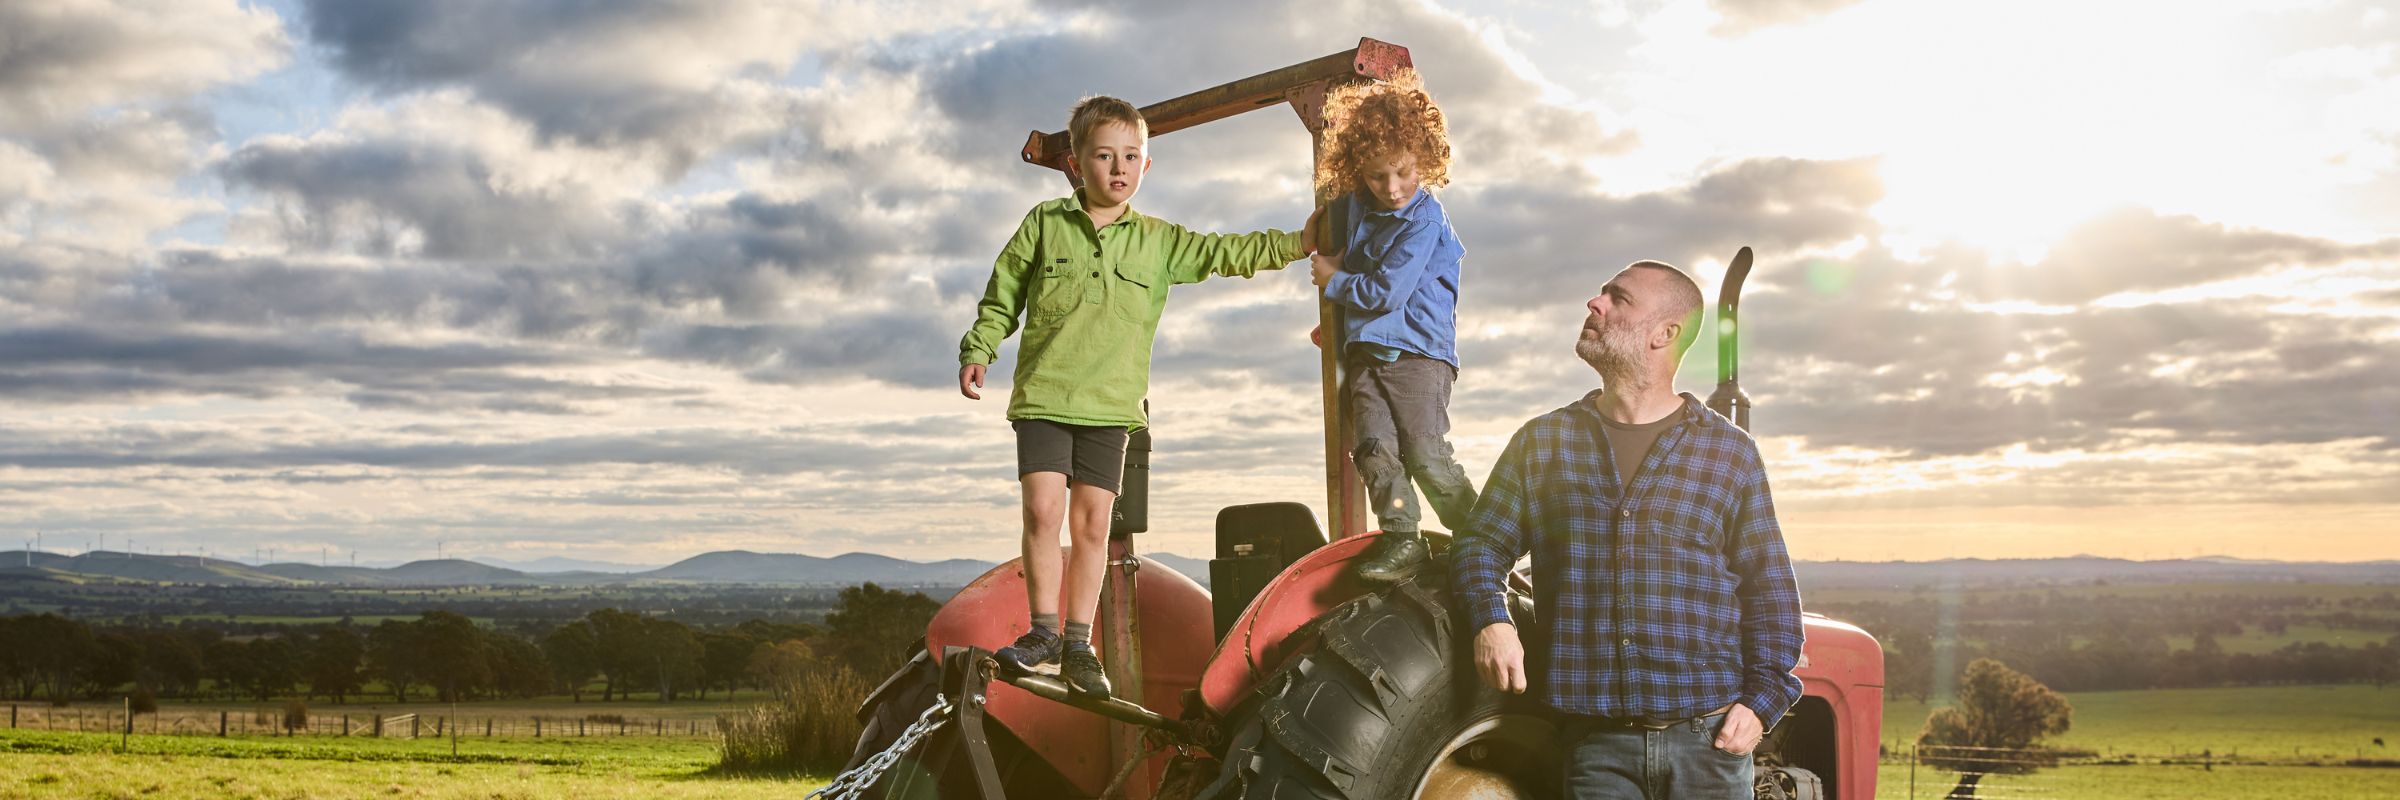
column 1385, row 146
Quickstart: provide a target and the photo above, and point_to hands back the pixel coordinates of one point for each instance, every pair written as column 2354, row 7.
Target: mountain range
column 741, row 566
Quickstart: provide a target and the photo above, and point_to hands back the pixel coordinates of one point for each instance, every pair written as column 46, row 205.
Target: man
column 1662, row 582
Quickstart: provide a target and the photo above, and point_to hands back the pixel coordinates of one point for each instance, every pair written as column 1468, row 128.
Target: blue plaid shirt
column 1669, row 600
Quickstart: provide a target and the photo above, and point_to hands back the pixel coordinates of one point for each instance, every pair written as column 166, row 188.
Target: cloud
column 66, row 58
column 1737, row 17
column 683, row 77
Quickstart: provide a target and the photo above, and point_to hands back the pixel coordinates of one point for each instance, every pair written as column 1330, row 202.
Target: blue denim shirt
column 1399, row 279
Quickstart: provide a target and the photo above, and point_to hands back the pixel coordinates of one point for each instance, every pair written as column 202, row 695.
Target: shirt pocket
column 1058, row 290
column 1135, row 293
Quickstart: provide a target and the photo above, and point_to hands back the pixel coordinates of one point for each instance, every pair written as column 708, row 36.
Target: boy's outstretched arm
column 996, row 314
column 1193, row 257
column 1401, row 269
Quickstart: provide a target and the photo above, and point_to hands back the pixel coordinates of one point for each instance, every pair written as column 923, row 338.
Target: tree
column 452, row 654
column 871, row 627
column 518, row 667
column 779, row 666
column 170, row 661
column 617, row 638
column 674, row 655
column 54, row 648
column 2000, row 716
column 722, row 657
column 274, row 666
column 114, row 659
column 394, row 657
column 227, row 664
column 574, row 656
column 333, row 662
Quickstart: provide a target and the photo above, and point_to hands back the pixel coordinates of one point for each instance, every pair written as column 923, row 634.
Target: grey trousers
column 1401, row 414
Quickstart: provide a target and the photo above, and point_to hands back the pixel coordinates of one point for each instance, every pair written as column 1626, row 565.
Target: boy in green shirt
column 1090, row 276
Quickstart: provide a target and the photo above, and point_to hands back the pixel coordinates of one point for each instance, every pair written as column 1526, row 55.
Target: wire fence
column 271, row 721
column 1952, row 771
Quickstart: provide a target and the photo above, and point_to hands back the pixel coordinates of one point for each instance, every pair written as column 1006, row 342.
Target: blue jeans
column 1682, row 762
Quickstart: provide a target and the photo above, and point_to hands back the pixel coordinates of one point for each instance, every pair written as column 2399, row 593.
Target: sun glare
column 2002, row 125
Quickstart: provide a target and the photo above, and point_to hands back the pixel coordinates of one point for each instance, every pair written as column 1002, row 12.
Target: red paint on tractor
column 1262, row 638
column 1175, row 629
column 1843, row 664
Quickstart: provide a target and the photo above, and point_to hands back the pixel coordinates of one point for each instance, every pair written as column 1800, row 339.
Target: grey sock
column 1079, row 632
column 1047, row 622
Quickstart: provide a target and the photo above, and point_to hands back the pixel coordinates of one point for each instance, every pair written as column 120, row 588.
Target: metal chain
column 848, row 785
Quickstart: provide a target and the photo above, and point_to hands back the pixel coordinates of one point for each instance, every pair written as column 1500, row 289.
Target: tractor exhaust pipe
column 1728, row 400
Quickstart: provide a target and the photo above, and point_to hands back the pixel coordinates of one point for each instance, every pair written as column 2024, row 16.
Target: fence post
column 487, row 727
column 1912, row 773
column 221, row 723
column 413, row 727
column 537, row 727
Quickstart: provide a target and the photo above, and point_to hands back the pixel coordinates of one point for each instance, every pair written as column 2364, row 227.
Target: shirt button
column 1625, row 513
column 1095, row 254
column 1627, row 641
column 1095, row 274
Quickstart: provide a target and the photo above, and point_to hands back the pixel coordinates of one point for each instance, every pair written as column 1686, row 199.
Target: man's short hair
column 1092, row 112
column 1683, row 303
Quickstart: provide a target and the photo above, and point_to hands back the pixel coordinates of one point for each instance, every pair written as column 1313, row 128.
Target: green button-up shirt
column 1090, row 300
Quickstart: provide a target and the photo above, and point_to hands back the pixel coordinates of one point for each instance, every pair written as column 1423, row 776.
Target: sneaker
column 1080, row 668
column 1037, row 647
column 1392, row 557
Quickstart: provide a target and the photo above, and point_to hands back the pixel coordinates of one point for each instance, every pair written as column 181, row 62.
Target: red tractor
column 1291, row 679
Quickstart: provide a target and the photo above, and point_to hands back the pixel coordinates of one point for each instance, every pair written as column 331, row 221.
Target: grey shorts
column 1087, row 454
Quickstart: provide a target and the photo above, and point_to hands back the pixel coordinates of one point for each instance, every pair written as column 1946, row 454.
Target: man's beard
column 1616, row 354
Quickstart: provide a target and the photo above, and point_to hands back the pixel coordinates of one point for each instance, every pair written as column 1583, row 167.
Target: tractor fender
column 1262, row 638
column 1174, row 630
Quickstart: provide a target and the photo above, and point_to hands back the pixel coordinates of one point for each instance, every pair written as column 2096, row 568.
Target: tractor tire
column 897, row 704
column 1385, row 704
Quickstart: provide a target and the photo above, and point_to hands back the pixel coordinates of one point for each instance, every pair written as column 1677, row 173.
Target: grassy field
column 2330, row 723
column 2152, row 782
column 2327, row 724
column 36, row 764
column 325, row 717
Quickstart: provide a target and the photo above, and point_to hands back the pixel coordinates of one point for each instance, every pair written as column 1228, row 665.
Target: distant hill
column 2084, row 570
column 740, row 566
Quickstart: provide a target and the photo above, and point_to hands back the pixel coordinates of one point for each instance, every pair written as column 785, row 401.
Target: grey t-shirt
column 1631, row 443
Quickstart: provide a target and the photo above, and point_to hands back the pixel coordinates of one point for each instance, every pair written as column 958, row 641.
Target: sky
column 628, row 281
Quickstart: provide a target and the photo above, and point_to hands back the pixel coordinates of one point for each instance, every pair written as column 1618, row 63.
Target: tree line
column 2077, row 642
column 446, row 656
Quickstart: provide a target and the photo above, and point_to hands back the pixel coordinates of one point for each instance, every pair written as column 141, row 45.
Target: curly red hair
column 1370, row 121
